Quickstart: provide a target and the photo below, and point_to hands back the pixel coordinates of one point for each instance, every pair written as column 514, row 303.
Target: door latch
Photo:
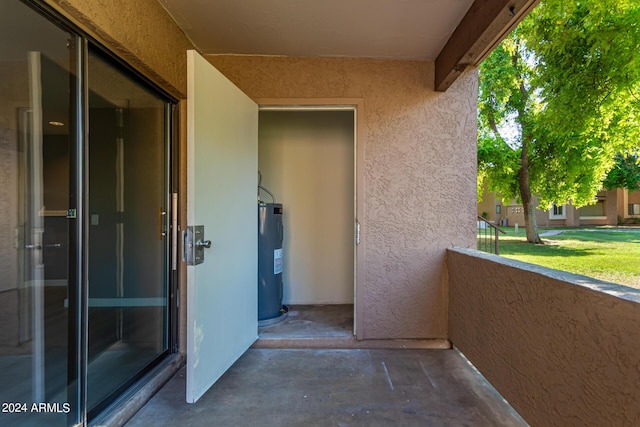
column 194, row 244
column 202, row 244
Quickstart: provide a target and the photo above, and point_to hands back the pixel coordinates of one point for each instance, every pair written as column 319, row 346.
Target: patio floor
column 335, row 387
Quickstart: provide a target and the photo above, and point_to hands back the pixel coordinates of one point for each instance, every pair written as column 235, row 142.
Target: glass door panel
column 35, row 142
column 42, row 241
column 127, row 241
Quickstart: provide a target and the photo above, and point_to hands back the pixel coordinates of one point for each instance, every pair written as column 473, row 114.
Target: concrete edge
column 613, row 289
column 351, row 343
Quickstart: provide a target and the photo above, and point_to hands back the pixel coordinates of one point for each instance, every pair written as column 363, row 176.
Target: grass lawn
column 613, row 256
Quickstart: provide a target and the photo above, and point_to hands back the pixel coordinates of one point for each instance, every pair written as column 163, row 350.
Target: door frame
column 357, row 106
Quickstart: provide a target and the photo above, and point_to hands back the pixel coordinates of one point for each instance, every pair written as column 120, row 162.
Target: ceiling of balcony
column 396, row 29
column 453, row 33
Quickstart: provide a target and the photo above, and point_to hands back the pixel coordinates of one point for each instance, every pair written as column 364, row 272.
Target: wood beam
column 486, row 23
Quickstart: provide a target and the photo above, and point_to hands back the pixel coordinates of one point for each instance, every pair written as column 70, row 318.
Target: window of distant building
column 557, row 212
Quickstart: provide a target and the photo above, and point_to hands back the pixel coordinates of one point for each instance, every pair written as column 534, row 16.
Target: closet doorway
column 307, row 160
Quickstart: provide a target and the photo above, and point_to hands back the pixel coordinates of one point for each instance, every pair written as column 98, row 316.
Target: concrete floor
column 312, row 321
column 327, row 326
column 334, row 387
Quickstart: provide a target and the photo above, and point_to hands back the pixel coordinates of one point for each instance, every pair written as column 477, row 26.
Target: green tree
column 625, row 173
column 558, row 98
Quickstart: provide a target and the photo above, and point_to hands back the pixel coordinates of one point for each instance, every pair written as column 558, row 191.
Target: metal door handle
column 193, row 244
column 200, row 244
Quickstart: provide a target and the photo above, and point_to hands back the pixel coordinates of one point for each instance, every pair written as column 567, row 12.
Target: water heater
column 270, row 236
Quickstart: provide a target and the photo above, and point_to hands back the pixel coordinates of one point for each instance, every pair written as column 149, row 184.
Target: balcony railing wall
column 562, row 349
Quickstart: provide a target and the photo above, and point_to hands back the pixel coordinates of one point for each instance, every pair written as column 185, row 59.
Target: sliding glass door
column 127, row 237
column 84, row 217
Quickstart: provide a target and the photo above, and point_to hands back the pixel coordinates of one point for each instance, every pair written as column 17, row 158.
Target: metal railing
column 488, row 236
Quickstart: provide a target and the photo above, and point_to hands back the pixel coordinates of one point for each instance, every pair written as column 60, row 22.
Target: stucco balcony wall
column 563, row 349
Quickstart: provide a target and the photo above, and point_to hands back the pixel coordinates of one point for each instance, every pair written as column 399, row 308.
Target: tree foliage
column 558, row 98
column 625, row 173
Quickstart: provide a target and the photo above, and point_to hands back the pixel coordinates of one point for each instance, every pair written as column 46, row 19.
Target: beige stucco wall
column 563, row 349
column 487, row 206
column 140, row 32
column 418, row 180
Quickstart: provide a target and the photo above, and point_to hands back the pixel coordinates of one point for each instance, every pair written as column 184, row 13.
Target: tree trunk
column 528, row 201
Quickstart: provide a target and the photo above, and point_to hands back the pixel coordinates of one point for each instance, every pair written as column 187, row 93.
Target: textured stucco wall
column 141, row 32
column 563, row 349
column 419, row 176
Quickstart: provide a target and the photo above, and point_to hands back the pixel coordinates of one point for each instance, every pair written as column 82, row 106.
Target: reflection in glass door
column 127, row 240
column 84, row 258
column 36, row 87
